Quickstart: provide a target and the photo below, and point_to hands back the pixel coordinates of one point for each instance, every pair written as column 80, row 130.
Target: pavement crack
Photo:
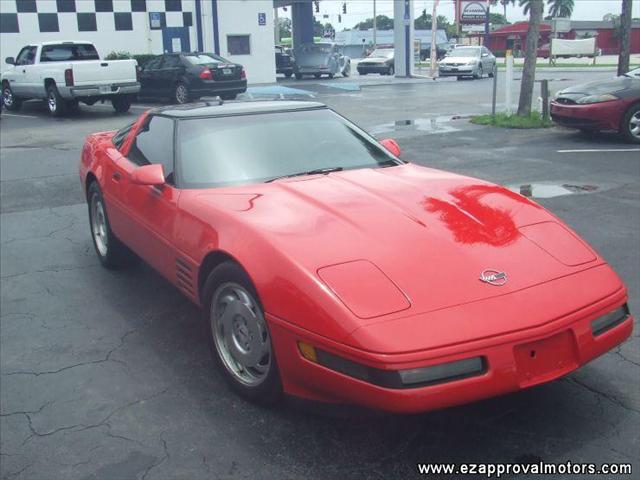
column 30, row 412
column 159, row 462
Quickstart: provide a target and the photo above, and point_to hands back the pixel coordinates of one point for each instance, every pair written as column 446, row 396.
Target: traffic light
column 317, row 4
column 344, row 7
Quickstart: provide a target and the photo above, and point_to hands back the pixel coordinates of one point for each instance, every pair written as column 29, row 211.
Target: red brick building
column 514, row 36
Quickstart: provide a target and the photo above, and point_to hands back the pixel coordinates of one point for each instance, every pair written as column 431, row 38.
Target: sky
column 359, row 10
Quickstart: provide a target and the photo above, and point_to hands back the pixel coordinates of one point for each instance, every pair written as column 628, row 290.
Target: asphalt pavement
column 107, row 375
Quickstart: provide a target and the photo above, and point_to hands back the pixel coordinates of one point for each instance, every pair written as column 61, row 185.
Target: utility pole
column 434, row 39
column 375, row 25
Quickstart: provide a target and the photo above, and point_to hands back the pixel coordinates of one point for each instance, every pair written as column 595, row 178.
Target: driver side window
column 154, row 144
column 26, row 56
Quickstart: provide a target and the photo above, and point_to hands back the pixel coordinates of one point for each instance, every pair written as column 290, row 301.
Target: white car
column 468, row 62
column 65, row 73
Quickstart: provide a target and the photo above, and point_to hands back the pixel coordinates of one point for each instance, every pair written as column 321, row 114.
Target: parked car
column 65, row 73
column 284, row 61
column 328, row 268
column 184, row 77
column 468, row 62
column 381, row 61
column 601, row 105
column 319, row 59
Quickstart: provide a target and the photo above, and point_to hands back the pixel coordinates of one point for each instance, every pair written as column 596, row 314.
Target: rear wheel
column 11, row 102
column 239, row 335
column 181, row 94
column 630, row 127
column 111, row 252
column 493, row 71
column 55, row 103
column 121, row 103
column 298, row 76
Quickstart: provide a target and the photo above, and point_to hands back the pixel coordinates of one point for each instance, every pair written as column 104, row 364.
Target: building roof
column 598, row 24
column 220, row 109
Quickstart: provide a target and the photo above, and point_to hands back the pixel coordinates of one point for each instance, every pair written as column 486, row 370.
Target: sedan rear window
column 248, row 149
column 203, row 59
column 69, row 52
column 465, row 52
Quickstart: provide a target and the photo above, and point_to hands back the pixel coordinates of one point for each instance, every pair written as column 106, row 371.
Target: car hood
column 448, row 60
column 376, row 60
column 615, row 85
column 422, row 237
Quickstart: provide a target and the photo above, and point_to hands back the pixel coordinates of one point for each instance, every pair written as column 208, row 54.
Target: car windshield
column 245, row 149
column 204, row 59
column 464, row 52
column 382, row 53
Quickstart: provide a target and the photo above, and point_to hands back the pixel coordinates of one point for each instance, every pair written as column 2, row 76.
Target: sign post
column 508, row 78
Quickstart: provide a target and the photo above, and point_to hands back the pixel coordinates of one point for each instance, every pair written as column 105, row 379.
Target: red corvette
column 329, row 269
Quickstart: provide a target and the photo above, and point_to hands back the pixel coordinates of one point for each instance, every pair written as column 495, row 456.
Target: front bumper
column 373, row 68
column 513, row 362
column 598, row 116
column 445, row 71
column 99, row 91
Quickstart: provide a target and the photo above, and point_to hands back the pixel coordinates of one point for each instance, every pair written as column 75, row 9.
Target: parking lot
column 107, row 375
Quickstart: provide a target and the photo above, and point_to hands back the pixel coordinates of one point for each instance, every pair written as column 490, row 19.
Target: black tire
column 330, row 75
column 121, row 103
column 55, row 103
column 298, row 76
column 630, row 126
column 270, row 388
column 228, row 96
column 391, row 71
column 116, row 254
column 181, row 94
column 316, row 75
column 493, row 72
column 11, row 103
column 458, row 77
column 288, row 74
column 480, row 72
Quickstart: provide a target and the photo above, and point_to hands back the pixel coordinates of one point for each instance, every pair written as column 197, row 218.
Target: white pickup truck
column 65, row 73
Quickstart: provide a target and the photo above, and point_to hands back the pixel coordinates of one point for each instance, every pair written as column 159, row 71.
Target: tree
column 625, row 37
column 497, row 19
column 382, row 23
column 535, row 8
column 526, row 6
column 504, row 4
column 284, row 26
column 423, row 22
column 561, row 8
column 318, row 28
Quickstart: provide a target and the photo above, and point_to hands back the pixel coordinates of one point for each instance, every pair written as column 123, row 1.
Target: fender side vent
column 184, row 277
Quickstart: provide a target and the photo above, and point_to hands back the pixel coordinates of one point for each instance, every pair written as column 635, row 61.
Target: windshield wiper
column 317, row 171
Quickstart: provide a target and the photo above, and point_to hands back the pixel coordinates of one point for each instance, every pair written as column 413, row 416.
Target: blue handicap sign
column 262, row 19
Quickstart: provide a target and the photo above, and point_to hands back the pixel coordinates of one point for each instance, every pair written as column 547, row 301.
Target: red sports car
column 602, row 105
column 328, row 268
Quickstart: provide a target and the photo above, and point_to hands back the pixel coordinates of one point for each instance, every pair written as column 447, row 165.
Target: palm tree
column 534, row 7
column 561, row 8
column 526, row 6
column 505, row 3
column 625, row 36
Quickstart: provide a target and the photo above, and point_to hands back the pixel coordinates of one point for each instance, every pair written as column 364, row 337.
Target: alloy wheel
column 52, row 102
column 99, row 225
column 240, row 334
column 182, row 95
column 7, row 97
column 634, row 125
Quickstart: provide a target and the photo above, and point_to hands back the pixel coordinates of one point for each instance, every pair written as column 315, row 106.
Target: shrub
column 140, row 58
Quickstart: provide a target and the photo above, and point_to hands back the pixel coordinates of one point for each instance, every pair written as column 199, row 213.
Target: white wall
column 241, row 17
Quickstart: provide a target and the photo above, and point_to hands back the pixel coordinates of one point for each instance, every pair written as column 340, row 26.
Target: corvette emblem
column 493, row 277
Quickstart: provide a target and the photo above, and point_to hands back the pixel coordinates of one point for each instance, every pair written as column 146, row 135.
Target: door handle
column 116, row 176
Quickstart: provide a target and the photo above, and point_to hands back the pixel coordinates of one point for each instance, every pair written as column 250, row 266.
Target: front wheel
column 479, row 72
column 239, row 335
column 121, row 104
column 630, row 127
column 55, row 103
column 391, row 71
column 111, row 252
column 11, row 103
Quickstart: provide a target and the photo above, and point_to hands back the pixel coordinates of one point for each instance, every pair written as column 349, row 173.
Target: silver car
column 320, row 59
column 468, row 62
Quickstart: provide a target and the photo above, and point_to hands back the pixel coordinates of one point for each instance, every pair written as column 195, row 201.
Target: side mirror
column 485, row 54
column 392, row 146
column 10, row 60
column 148, row 175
